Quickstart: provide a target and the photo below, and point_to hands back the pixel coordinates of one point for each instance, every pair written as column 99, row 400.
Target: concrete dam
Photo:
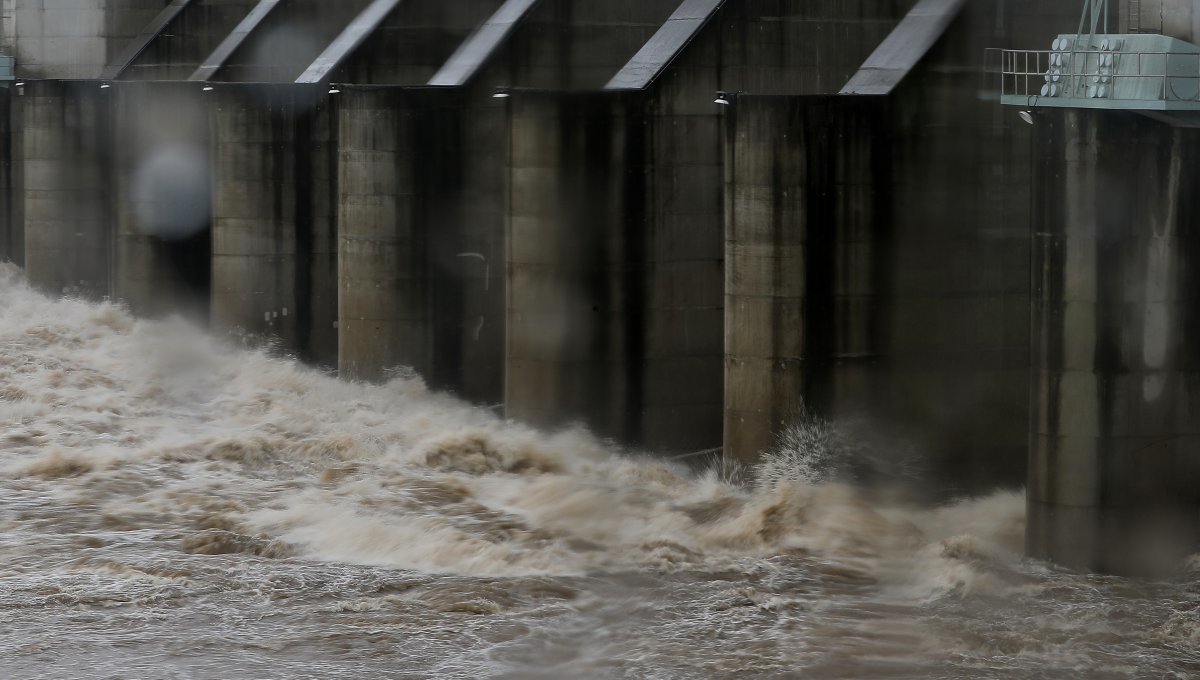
column 682, row 223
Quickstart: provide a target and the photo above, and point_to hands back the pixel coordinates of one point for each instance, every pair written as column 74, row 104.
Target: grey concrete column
column 254, row 211
column 385, row 317
column 1114, row 474
column 575, row 265
column 615, row 268
column 464, row 152
column 685, row 276
column 12, row 221
column 272, row 263
column 66, row 163
column 803, row 314
column 162, row 198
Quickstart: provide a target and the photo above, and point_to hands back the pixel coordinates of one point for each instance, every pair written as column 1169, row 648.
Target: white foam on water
column 155, row 443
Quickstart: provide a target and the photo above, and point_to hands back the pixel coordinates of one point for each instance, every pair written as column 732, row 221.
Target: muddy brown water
column 172, row 507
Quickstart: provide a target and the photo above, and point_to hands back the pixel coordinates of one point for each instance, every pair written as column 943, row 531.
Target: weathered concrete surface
column 478, row 49
column 657, row 54
column 421, row 254
column 274, row 198
column 162, row 198
column 1114, row 479
column 575, row 269
column 288, row 40
column 66, row 150
column 413, row 42
column 807, row 264
column 181, row 47
column 568, row 45
column 1175, row 18
column 904, row 47
column 614, row 289
column 70, row 38
column 796, row 48
column 649, row 370
column 241, row 32
column 12, row 203
column 385, row 316
column 933, row 325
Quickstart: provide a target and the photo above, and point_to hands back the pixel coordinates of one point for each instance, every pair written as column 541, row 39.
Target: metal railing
column 1100, row 74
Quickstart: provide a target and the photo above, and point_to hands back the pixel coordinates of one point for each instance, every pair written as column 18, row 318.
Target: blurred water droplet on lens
column 171, row 192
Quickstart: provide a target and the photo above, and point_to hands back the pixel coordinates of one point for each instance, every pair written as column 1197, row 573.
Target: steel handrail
column 1019, row 66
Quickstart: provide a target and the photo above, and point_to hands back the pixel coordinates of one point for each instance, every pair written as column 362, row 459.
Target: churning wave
column 150, row 472
column 155, row 422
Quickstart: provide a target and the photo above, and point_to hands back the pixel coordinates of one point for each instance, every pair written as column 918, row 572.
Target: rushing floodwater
column 174, row 508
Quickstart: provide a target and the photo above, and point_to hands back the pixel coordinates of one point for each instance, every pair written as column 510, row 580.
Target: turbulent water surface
column 171, row 507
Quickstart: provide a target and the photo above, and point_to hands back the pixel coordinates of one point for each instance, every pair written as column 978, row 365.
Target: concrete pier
column 70, row 39
column 912, row 313
column 385, row 316
column 12, row 193
column 185, row 42
column 575, row 265
column 1114, row 474
column 66, row 162
column 273, row 200
column 806, row 263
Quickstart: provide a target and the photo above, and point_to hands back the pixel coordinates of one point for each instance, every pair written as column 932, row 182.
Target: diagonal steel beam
column 482, row 44
column 143, row 40
column 363, row 25
column 214, row 62
column 684, row 24
column 904, row 47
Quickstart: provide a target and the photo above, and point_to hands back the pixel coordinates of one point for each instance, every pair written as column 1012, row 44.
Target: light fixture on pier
column 333, row 88
column 501, row 94
column 207, row 88
column 105, row 86
column 722, row 98
column 1026, row 116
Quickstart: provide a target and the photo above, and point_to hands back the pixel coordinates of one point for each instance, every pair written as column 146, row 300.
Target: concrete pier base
column 273, row 198
column 385, row 317
column 1114, row 470
column 66, row 163
column 807, row 223
column 614, row 269
column 421, row 247
column 12, row 193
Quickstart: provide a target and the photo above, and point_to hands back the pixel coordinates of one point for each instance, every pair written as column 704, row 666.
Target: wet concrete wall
column 421, row 258
column 807, row 262
column 575, row 264
column 614, row 263
column 274, row 208
column 288, row 40
column 161, row 197
column 72, row 38
column 796, row 48
column 929, row 325
column 1176, row 18
column 414, row 41
column 66, row 152
column 12, row 220
column 184, row 43
column 385, row 302
column 1114, row 472
column 579, row 45
column 652, row 373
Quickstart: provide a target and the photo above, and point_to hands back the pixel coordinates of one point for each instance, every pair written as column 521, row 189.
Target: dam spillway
column 565, row 223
